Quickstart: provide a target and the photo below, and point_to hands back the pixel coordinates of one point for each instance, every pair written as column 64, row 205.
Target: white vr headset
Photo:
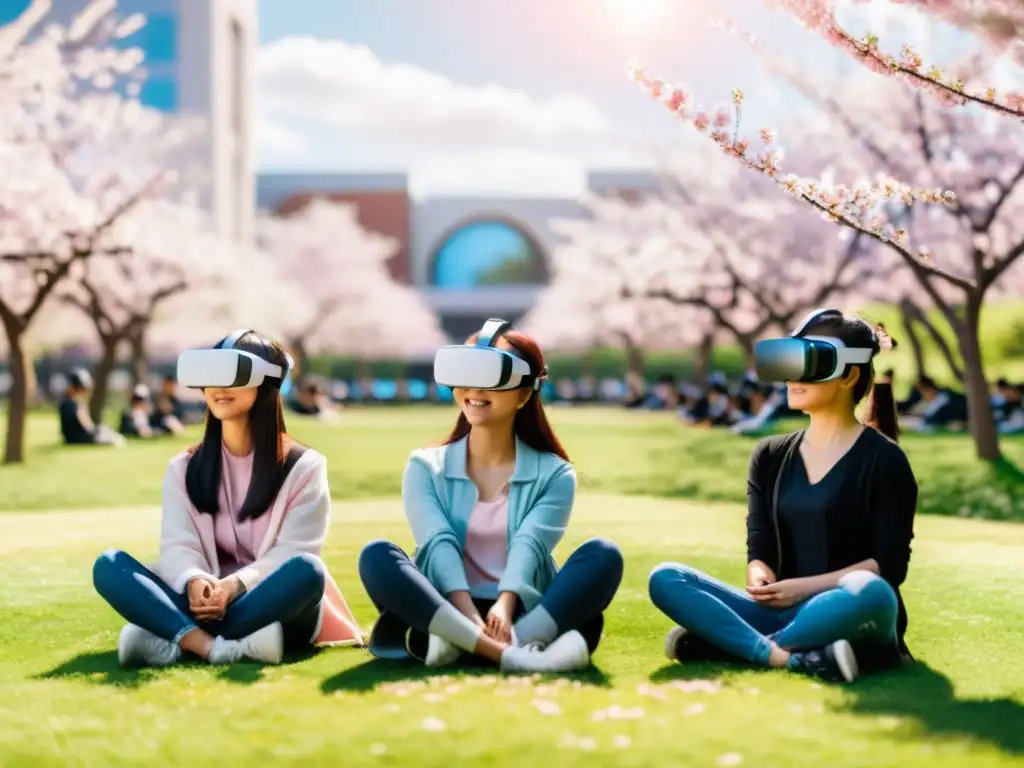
column 224, row 367
column 483, row 365
column 811, row 359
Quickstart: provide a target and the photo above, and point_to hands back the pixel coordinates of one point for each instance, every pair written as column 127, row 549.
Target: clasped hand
column 782, row 594
column 499, row 618
column 208, row 600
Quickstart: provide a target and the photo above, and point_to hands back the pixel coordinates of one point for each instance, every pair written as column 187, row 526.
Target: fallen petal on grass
column 378, row 749
column 622, row 741
column 546, row 707
column 615, row 712
column 694, row 709
column 433, row 724
column 730, row 758
column 434, row 698
column 391, row 708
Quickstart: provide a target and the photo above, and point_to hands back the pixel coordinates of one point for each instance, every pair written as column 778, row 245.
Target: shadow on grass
column 103, row 668
column 100, row 668
column 917, row 692
column 925, row 695
column 376, row 672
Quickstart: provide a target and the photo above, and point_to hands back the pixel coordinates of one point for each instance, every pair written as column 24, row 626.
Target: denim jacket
column 439, row 498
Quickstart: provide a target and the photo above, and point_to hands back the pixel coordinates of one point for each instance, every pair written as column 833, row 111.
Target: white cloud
column 328, row 104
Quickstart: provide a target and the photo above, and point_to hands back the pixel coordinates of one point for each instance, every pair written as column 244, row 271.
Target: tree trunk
column 140, row 363
column 747, row 344
column 909, row 321
column 939, row 339
column 108, row 359
column 300, row 355
column 17, row 404
column 634, row 359
column 980, row 418
column 702, row 360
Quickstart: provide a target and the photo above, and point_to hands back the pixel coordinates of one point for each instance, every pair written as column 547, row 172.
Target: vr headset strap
column 228, row 342
column 491, row 332
column 814, row 317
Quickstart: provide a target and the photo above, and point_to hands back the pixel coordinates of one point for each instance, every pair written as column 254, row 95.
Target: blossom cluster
column 862, row 206
column 817, row 16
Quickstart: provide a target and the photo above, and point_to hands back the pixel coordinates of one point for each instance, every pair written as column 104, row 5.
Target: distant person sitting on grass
column 76, row 426
column 487, row 507
column 169, row 415
column 829, row 524
column 245, row 516
column 942, row 408
column 135, row 418
column 311, row 400
column 1010, row 410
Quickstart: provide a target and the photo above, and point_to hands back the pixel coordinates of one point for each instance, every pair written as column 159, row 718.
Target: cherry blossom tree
column 349, row 302
column 165, row 248
column 75, row 157
column 932, row 148
column 587, row 305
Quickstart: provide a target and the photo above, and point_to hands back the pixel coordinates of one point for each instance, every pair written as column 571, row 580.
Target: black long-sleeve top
column 869, row 515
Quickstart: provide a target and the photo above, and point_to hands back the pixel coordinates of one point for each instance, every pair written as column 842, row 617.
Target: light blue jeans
column 862, row 608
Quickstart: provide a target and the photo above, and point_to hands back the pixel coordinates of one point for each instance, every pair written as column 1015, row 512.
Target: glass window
column 487, row 253
column 12, row 9
column 158, row 38
column 160, row 93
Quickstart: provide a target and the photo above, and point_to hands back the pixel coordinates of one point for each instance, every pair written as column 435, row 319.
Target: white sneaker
column 264, row 645
column 440, row 652
column 672, row 640
column 569, row 653
column 137, row 647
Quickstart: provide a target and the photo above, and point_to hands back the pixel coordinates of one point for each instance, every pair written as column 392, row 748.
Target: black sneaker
column 683, row 645
column 835, row 663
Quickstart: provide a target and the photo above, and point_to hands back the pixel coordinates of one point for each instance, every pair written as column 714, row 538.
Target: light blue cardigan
column 439, row 498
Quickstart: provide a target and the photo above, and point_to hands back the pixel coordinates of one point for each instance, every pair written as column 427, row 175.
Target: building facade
column 471, row 257
column 199, row 56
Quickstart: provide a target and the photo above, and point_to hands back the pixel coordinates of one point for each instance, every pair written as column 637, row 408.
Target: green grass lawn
column 615, row 451
column 65, row 701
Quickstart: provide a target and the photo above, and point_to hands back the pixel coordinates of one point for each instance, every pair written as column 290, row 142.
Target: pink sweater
column 485, row 553
column 238, row 541
column 296, row 524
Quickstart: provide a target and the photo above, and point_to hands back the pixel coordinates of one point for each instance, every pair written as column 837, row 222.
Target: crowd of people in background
column 745, row 406
column 144, row 417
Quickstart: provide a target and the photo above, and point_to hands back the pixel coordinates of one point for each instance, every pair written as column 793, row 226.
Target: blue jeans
column 290, row 595
column 862, row 608
column 576, row 599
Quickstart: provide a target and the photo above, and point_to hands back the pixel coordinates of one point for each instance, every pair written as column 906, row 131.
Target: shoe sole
column 672, row 640
column 846, row 660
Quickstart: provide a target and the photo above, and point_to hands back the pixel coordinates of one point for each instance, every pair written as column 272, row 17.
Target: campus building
column 471, row 257
column 199, row 55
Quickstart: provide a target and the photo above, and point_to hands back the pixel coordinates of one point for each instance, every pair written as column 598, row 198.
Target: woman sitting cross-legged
column 486, row 508
column 830, row 521
column 244, row 518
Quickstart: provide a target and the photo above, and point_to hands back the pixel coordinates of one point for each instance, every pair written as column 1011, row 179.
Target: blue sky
column 495, row 61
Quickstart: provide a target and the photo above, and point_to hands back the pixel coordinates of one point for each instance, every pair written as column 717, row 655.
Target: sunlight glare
column 636, row 14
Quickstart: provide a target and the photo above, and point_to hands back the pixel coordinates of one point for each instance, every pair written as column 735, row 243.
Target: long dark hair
column 270, row 439
column 880, row 411
column 531, row 424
